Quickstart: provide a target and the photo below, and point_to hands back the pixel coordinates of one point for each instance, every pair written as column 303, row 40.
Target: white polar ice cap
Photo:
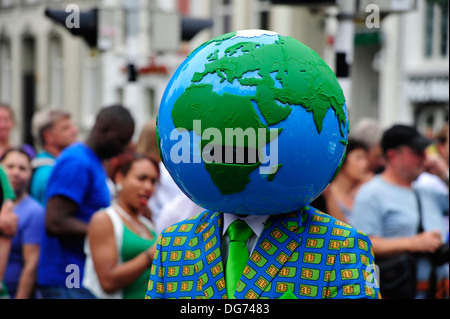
column 254, row 33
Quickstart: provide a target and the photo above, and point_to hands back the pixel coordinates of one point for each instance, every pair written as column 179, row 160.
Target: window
column 5, row 71
column 444, row 29
column 436, row 28
column 91, row 90
column 150, row 102
column 227, row 16
column 56, row 73
column 260, row 14
column 221, row 13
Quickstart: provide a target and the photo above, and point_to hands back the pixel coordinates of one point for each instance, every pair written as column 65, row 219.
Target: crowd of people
column 86, row 215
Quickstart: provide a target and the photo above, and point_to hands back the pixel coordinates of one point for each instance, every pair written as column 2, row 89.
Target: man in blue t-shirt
column 76, row 190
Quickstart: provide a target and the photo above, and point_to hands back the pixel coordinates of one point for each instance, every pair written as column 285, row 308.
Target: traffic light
column 191, row 26
column 166, row 31
column 79, row 23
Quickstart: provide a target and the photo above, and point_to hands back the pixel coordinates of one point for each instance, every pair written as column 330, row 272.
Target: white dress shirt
column 256, row 223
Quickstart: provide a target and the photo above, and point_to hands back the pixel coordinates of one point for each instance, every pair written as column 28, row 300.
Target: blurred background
column 391, row 56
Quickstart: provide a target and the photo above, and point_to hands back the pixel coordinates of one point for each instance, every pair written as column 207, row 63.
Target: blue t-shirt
column 386, row 210
column 80, row 176
column 29, row 231
column 39, row 181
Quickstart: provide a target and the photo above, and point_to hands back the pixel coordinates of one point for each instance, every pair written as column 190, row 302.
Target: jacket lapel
column 209, row 267
column 275, row 246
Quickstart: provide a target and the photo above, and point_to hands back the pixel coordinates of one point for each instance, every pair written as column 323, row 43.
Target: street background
column 391, row 56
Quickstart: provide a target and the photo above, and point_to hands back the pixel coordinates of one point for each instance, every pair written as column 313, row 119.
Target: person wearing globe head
column 252, row 127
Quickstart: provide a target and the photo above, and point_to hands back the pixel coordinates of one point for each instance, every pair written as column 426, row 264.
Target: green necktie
column 239, row 232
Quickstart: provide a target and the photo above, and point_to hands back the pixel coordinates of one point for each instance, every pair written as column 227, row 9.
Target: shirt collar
column 256, row 222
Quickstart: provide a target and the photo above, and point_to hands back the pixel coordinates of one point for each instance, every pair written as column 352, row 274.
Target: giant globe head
column 253, row 123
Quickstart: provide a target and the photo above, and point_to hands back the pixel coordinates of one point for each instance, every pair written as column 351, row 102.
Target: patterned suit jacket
column 306, row 254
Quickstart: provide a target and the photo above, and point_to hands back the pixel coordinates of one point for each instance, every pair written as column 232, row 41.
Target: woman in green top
column 121, row 242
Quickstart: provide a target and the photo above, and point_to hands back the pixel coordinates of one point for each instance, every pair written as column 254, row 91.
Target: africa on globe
column 253, row 122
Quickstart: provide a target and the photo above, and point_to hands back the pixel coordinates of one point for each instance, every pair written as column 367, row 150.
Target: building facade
column 401, row 74
column 399, row 69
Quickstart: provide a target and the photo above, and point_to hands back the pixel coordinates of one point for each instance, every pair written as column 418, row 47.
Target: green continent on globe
column 200, row 102
column 289, row 75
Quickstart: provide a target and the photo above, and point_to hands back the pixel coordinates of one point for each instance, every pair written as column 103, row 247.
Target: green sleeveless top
column 133, row 245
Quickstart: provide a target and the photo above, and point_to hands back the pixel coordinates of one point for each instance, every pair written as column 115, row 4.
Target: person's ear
column 390, row 154
column 118, row 178
column 47, row 136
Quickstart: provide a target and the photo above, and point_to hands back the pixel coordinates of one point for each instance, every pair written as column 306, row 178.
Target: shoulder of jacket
column 191, row 224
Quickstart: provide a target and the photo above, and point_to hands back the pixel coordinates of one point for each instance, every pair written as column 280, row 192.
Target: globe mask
column 253, row 122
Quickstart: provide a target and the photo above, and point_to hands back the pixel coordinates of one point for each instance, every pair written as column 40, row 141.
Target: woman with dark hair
column 20, row 275
column 337, row 199
column 121, row 242
column 351, row 176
